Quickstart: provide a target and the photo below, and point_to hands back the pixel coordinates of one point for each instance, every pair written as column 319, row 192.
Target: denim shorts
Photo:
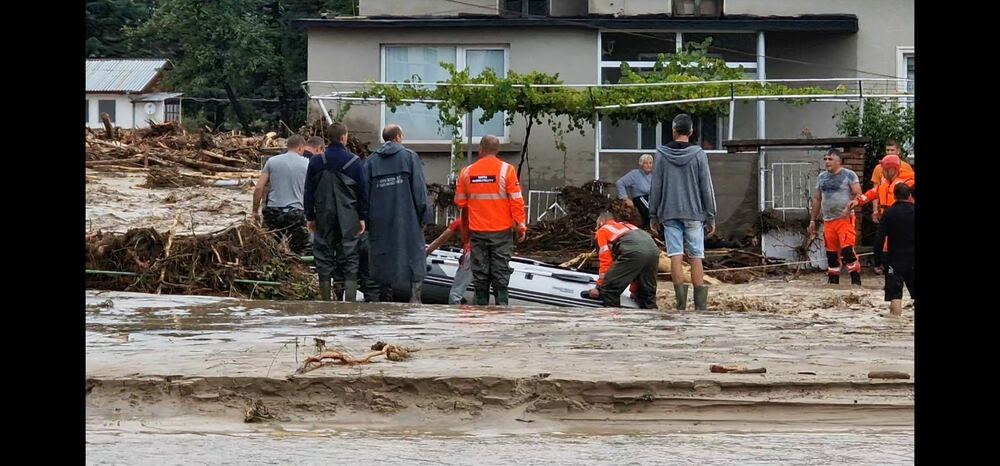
column 685, row 234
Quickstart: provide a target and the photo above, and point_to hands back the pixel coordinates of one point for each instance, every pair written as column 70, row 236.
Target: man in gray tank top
column 283, row 179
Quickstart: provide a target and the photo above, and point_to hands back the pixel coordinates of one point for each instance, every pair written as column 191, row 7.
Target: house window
column 640, row 51
column 106, row 106
column 172, row 110
column 524, row 8
column 904, row 69
column 632, row 136
column 422, row 63
column 86, row 119
column 697, row 7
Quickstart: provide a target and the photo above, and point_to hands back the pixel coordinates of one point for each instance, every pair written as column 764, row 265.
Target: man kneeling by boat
column 627, row 255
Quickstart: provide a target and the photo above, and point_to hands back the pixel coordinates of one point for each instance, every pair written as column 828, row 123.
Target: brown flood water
column 168, row 377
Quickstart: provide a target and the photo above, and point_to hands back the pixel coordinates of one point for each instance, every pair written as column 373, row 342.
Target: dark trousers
column 898, row 273
column 290, row 225
column 637, row 259
column 491, row 253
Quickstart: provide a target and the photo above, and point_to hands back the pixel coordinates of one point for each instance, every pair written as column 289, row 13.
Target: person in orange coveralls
column 628, row 255
column 835, row 189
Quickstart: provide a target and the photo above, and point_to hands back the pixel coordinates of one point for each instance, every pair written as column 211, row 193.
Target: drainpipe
column 761, row 120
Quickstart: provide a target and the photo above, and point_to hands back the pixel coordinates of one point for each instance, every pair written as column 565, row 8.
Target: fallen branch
column 199, row 164
column 327, row 358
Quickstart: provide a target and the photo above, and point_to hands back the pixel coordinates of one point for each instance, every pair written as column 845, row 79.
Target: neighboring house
column 585, row 41
column 128, row 91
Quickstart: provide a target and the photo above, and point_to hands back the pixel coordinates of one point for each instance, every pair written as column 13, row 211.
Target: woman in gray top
column 634, row 187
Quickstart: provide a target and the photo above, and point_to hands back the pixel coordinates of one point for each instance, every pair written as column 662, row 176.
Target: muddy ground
column 178, row 358
column 117, row 201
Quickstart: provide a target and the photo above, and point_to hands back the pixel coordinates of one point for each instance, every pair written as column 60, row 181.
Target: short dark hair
column 391, row 132
column 336, row 131
column 295, row 142
column 682, row 124
column 892, row 142
column 901, row 191
column 315, row 141
column 837, row 152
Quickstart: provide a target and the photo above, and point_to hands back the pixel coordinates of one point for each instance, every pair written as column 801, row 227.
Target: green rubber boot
column 681, row 296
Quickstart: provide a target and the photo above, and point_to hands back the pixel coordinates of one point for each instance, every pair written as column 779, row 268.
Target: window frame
column 902, row 53
column 460, row 63
column 749, row 67
column 87, row 121
column 172, row 104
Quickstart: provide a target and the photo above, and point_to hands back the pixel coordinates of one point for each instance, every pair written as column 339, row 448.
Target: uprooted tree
column 539, row 97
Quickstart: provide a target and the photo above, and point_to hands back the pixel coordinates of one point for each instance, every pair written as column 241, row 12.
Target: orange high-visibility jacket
column 884, row 192
column 905, row 171
column 607, row 234
column 489, row 189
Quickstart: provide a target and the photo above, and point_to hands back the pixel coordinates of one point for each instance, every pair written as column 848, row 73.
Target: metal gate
column 792, row 186
column 544, row 205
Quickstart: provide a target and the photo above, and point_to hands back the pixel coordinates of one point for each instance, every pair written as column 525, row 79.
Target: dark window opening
column 524, row 8
column 86, row 119
column 106, row 106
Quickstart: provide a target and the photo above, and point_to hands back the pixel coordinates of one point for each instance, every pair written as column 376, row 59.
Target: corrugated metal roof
column 156, row 96
column 122, row 75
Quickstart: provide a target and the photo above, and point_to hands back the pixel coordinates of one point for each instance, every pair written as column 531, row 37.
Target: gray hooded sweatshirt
column 681, row 185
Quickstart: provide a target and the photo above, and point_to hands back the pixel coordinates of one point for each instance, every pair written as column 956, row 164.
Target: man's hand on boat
column 594, row 293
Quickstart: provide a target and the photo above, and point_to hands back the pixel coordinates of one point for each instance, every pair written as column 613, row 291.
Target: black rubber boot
column 350, row 291
column 701, row 298
column 834, row 279
column 681, row 296
column 338, row 291
column 415, row 290
column 482, row 297
column 502, row 297
column 856, row 278
column 324, row 289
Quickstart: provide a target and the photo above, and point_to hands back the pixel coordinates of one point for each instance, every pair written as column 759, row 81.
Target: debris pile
column 168, row 144
column 242, row 260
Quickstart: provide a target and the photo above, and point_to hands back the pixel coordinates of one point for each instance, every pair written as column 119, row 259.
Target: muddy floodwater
column 170, row 379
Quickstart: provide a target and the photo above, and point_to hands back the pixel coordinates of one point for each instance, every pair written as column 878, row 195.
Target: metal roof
column 114, row 76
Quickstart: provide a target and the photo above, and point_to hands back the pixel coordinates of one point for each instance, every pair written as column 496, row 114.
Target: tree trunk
column 109, row 130
column 524, row 147
column 237, row 109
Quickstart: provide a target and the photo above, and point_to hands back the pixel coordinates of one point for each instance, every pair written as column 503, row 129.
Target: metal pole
column 326, row 114
column 732, row 109
column 597, row 147
column 761, row 121
column 861, row 108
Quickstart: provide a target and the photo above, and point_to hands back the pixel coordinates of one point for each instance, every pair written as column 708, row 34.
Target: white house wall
column 125, row 109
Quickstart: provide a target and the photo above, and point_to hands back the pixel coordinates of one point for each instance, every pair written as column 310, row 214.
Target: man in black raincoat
column 397, row 190
column 336, row 204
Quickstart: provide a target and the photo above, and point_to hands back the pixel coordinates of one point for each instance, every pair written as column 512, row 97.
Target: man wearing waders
column 627, row 255
column 336, row 206
column 489, row 189
column 397, row 189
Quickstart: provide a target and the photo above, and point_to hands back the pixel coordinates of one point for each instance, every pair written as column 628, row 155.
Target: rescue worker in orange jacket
column 883, row 196
column 627, row 254
column 491, row 192
column 905, row 170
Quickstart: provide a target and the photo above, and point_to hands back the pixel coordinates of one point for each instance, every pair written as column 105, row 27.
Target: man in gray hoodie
column 682, row 199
